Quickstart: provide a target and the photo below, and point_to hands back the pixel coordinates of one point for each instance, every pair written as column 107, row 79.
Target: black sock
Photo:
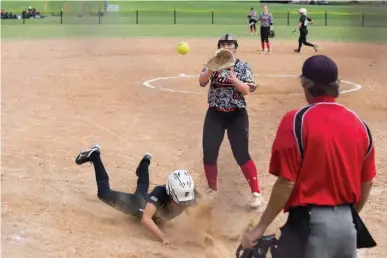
column 299, row 45
column 101, row 175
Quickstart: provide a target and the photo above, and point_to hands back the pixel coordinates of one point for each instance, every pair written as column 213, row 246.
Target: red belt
column 226, row 109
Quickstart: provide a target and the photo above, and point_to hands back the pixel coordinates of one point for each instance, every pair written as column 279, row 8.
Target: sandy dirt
column 61, row 96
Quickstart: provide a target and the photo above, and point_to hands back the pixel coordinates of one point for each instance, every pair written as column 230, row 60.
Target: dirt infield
column 60, row 96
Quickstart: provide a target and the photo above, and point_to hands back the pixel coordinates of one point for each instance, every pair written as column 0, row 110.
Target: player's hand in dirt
column 166, row 241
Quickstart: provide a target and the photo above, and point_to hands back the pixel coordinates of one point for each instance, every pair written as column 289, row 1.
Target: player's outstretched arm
column 149, row 211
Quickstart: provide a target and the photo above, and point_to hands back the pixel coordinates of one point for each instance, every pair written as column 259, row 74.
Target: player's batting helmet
column 228, row 38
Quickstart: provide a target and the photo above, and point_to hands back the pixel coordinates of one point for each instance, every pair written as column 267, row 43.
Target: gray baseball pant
column 332, row 233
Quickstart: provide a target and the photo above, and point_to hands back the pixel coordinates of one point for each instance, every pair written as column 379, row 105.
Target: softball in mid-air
column 183, row 48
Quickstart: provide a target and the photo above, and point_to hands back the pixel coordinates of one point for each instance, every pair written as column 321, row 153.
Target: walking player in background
column 324, row 159
column 266, row 20
column 164, row 203
column 252, row 21
column 227, row 111
column 303, row 28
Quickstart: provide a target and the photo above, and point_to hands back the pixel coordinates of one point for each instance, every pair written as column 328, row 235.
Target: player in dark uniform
column 266, row 20
column 303, row 28
column 252, row 21
column 164, row 203
column 227, row 111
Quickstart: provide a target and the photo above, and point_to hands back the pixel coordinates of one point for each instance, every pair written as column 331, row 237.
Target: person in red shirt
column 323, row 157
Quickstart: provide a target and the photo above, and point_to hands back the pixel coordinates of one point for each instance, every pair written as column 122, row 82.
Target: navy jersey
column 304, row 20
column 222, row 93
column 160, row 198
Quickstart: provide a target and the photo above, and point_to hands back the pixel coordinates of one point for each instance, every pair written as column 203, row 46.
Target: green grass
column 187, row 31
column 193, row 19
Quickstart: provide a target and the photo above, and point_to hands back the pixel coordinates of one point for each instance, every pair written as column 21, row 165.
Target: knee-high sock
column 211, row 172
column 250, row 172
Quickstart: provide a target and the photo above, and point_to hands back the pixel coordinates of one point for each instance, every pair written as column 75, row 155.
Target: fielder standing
column 227, row 111
column 324, row 159
column 266, row 20
column 252, row 21
column 303, row 28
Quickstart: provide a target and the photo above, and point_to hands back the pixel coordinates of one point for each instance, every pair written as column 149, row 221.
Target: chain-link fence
column 100, row 16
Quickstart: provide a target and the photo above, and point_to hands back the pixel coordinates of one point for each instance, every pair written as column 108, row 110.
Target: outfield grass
column 193, row 19
column 378, row 35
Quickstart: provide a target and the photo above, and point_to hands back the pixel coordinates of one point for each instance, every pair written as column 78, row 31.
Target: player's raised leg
column 142, row 173
column 124, row 202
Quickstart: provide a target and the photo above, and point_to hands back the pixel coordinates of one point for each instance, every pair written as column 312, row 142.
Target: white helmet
column 180, row 186
column 302, row 11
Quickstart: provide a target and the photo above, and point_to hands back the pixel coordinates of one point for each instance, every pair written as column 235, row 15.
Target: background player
column 165, row 202
column 252, row 21
column 227, row 111
column 266, row 20
column 303, row 28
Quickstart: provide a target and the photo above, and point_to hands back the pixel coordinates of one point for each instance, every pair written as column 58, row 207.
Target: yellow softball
column 183, row 48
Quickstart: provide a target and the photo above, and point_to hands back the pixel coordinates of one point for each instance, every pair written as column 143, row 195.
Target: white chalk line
column 148, row 83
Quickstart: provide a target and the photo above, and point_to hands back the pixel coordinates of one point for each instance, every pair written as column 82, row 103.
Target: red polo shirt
column 335, row 149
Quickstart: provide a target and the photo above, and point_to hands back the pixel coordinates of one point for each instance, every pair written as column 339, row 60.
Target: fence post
column 362, row 19
column 136, row 16
column 288, row 18
column 212, row 16
column 326, row 18
column 99, row 15
column 61, row 15
column 174, row 16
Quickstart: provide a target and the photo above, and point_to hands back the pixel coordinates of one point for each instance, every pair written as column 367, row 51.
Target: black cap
column 320, row 69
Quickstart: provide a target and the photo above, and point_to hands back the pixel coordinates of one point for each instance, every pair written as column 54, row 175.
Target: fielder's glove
column 271, row 34
column 260, row 250
column 223, row 59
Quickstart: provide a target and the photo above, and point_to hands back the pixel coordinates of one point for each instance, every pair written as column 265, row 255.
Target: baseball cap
column 320, row 69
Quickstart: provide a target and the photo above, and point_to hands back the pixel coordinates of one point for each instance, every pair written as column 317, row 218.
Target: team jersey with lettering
column 222, row 92
column 266, row 19
column 304, row 20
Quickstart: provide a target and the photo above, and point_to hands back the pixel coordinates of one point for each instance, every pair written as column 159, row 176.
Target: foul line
column 148, row 83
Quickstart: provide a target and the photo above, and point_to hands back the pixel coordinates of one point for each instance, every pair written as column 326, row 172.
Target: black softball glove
column 260, row 250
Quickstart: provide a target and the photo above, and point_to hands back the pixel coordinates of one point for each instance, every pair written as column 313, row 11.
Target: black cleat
column 84, row 156
column 147, row 157
column 315, row 48
column 297, row 50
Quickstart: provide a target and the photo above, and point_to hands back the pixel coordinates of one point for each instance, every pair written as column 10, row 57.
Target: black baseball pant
column 265, row 31
column 215, row 125
column 252, row 23
column 129, row 203
column 302, row 39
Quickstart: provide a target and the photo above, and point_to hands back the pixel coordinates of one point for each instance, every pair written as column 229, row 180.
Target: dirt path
column 61, row 96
